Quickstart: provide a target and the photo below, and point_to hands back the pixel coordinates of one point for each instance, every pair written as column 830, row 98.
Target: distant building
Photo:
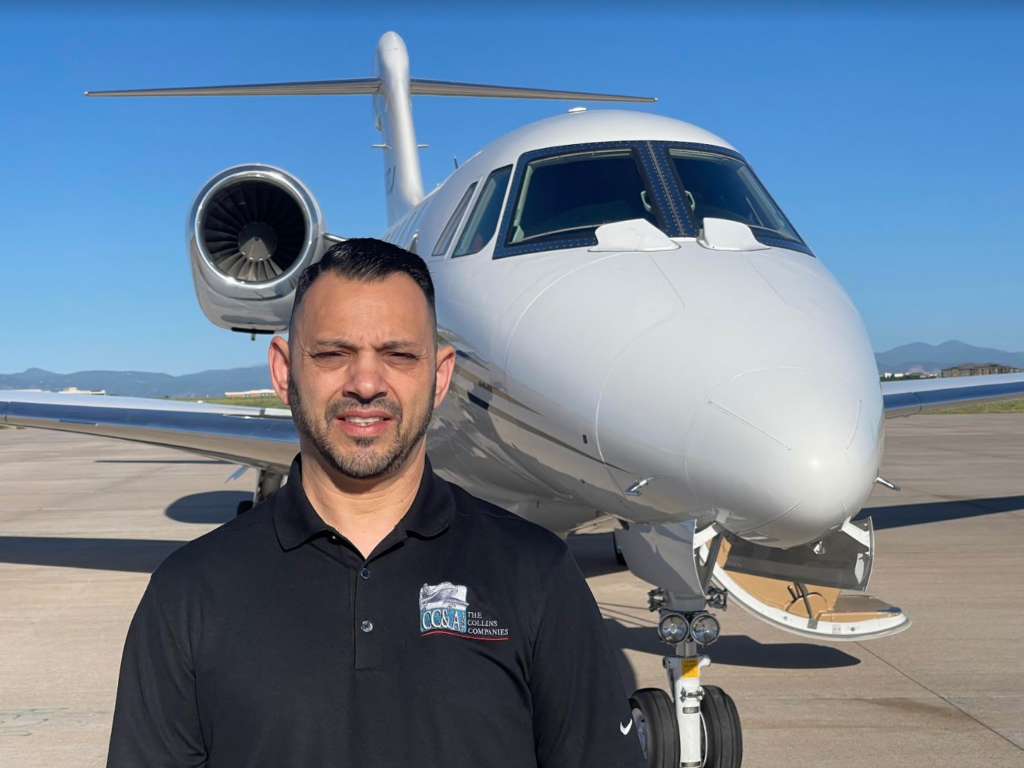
column 252, row 393
column 77, row 391
column 978, row 369
column 913, row 375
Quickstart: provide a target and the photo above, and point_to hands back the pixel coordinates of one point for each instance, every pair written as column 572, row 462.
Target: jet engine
column 251, row 231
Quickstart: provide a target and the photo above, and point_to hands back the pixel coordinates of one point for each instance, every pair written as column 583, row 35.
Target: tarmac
column 84, row 520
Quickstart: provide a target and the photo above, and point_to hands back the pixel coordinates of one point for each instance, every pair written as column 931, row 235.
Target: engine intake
column 252, row 229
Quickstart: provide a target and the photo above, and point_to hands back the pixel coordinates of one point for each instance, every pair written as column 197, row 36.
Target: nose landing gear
column 698, row 727
column 693, row 726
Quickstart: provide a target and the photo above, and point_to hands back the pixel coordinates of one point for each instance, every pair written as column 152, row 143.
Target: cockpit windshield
column 721, row 187
column 571, row 195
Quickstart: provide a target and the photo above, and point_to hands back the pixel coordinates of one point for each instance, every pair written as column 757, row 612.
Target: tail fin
column 391, row 88
column 392, row 110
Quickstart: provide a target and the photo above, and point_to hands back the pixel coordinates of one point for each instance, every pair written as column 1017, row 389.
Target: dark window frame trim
column 471, row 209
column 764, row 239
column 501, row 247
column 456, row 220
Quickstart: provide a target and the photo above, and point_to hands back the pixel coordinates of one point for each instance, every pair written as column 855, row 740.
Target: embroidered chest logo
column 444, row 609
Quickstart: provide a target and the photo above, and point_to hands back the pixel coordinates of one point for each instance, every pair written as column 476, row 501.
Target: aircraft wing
column 909, row 398
column 264, row 438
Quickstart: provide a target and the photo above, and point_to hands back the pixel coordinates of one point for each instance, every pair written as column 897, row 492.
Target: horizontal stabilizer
column 420, row 87
column 354, row 86
column 362, row 86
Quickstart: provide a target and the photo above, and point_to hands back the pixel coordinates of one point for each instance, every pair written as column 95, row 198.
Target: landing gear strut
column 693, row 726
column 267, row 484
column 698, row 727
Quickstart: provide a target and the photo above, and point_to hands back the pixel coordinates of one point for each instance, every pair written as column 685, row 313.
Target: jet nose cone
column 815, row 471
column 785, row 455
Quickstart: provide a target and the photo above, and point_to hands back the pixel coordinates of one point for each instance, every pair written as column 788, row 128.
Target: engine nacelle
column 251, row 231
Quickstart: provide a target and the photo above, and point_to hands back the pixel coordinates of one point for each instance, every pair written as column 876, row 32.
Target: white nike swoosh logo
column 625, row 728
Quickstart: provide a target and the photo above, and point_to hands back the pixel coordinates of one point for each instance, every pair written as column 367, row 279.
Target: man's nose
column 365, row 381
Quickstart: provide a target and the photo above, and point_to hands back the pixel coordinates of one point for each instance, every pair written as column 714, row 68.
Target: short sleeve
column 580, row 709
column 156, row 718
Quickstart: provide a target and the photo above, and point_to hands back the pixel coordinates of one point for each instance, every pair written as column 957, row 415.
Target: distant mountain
column 928, row 358
column 142, row 384
column 909, row 358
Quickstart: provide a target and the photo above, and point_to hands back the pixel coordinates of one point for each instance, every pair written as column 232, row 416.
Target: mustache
column 393, row 408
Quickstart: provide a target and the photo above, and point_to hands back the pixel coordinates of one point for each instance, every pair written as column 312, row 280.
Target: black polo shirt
column 468, row 638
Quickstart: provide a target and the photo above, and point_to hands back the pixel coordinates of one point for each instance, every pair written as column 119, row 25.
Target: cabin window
column 484, row 219
column 570, row 196
column 450, row 228
column 720, row 187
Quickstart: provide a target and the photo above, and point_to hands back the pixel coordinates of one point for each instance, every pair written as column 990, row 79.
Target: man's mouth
column 364, row 423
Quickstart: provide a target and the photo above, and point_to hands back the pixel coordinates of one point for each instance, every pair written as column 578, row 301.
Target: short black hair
column 367, row 260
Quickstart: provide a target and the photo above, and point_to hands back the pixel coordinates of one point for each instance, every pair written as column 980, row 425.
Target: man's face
column 362, row 379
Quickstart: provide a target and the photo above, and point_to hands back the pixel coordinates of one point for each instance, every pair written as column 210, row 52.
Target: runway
column 83, row 521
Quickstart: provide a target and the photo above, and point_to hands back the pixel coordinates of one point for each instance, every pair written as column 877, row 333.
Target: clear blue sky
column 892, row 140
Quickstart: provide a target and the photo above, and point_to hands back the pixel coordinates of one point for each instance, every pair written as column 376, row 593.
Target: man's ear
column 279, row 357
column 445, row 369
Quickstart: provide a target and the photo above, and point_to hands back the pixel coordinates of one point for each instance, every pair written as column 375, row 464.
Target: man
column 369, row 613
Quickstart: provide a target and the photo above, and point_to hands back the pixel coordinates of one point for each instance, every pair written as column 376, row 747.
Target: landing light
column 673, row 628
column 705, row 629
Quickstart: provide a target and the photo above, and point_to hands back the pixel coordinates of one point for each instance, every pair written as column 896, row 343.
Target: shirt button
column 366, row 626
column 365, row 573
column 334, row 538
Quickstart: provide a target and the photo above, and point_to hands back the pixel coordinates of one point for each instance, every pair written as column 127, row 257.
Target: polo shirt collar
column 296, row 521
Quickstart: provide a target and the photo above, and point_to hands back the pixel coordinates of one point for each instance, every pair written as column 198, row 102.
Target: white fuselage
column 736, row 387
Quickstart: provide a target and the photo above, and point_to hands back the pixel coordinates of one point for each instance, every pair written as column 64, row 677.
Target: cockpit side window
column 484, row 219
column 569, row 196
column 722, row 187
column 448, row 234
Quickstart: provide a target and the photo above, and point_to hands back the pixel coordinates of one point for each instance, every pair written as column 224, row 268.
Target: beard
column 371, row 459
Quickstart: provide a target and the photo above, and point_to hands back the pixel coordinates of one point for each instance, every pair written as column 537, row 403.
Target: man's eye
column 404, row 355
column 326, row 354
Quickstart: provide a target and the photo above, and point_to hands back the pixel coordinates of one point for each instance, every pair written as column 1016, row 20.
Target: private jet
column 642, row 335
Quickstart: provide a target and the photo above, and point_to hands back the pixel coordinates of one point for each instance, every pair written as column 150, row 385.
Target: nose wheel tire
column 243, row 507
column 722, row 738
column 655, row 723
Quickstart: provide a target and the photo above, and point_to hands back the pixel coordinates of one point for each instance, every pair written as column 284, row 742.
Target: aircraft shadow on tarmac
column 207, row 508
column 134, row 555
column 160, row 461
column 594, row 553
column 901, row 515
column 732, row 650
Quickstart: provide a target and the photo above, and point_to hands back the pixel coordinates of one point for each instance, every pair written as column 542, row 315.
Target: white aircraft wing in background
column 909, row 398
column 264, row 438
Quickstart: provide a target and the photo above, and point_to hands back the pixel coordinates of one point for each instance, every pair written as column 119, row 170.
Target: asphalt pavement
column 84, row 521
